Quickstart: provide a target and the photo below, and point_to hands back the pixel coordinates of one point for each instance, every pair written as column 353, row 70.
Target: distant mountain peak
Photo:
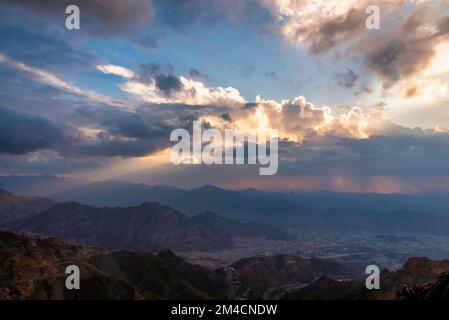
column 209, row 187
column 151, row 204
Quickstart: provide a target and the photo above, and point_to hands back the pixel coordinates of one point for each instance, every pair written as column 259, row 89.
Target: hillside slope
column 33, row 268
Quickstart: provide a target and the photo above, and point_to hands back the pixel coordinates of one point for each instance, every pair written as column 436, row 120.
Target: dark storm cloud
column 121, row 133
column 346, row 79
column 107, row 145
column 145, row 120
column 41, row 48
column 412, row 155
column 102, row 17
column 124, row 123
column 368, row 165
column 50, row 162
column 24, row 92
column 135, row 127
column 408, row 153
column 120, row 17
column 138, row 133
column 178, row 114
column 21, row 133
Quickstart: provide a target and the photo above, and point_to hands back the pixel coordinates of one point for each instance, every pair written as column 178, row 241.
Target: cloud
column 346, row 79
column 197, row 75
column 323, row 25
column 320, row 24
column 156, row 83
column 333, row 32
column 409, row 49
column 248, row 70
column 107, row 145
column 146, row 22
column 41, row 47
column 47, row 161
column 401, row 159
column 354, row 151
column 299, row 119
column 383, row 164
column 168, row 84
column 21, row 133
column 271, row 74
column 342, row 148
column 400, row 51
column 106, row 132
column 190, row 92
column 142, row 131
column 89, row 132
column 53, row 80
column 121, row 133
column 99, row 17
column 364, row 89
column 116, row 70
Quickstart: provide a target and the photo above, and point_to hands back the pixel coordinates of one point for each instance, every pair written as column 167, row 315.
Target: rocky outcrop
column 34, row 268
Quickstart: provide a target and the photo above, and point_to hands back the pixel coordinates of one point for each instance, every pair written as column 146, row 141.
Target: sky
column 357, row 109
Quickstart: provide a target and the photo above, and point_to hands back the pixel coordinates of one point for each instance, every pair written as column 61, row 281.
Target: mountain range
column 123, row 193
column 149, row 226
column 288, row 211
